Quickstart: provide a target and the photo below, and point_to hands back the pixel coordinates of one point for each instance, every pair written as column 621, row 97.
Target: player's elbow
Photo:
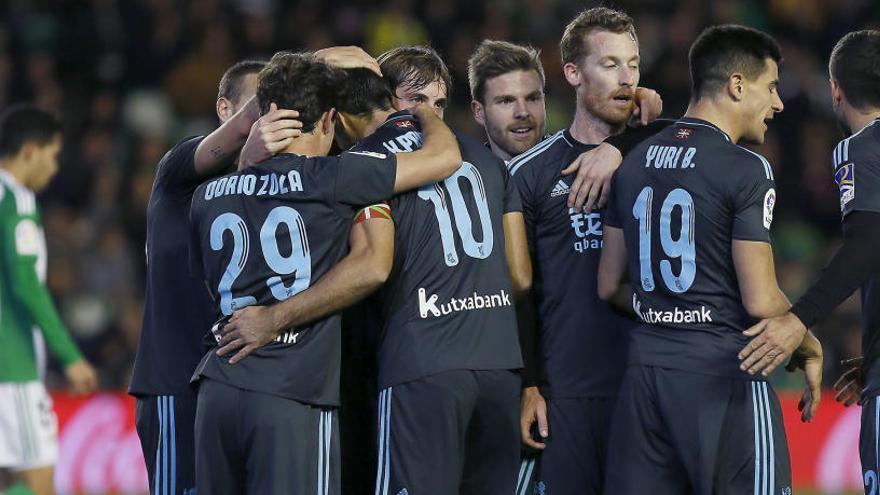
column 377, row 269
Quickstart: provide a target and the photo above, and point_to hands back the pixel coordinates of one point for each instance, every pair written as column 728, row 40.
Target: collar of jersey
column 702, row 123
column 574, row 143
column 10, row 179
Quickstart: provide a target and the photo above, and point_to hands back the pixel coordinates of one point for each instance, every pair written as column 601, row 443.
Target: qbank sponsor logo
column 429, row 305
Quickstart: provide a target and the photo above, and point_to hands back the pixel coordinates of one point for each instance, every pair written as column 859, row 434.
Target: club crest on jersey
column 405, row 124
column 683, row 133
column 846, row 182
column 769, row 203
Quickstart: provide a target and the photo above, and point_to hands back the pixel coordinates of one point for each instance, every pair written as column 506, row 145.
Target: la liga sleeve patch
column 27, row 238
column 769, row 203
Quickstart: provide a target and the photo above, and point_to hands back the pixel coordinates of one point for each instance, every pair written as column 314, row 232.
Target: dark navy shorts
column 676, row 432
column 453, row 432
column 573, row 461
column 251, row 442
column 869, row 444
column 165, row 426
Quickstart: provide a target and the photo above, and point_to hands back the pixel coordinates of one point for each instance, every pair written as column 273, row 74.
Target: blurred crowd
column 131, row 77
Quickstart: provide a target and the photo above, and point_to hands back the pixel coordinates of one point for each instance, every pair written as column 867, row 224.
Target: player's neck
column 858, row 119
column 498, row 151
column 708, row 110
column 18, row 173
column 590, row 129
column 376, row 119
column 308, row 144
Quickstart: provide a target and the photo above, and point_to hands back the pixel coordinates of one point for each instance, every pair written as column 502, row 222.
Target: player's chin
column 516, row 147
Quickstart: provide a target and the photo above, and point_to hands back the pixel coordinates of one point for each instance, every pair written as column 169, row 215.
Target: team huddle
column 346, row 296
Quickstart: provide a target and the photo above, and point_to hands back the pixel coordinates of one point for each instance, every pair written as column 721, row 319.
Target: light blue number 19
column 684, row 247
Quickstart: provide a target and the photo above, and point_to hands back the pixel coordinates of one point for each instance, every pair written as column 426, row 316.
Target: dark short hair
column 230, row 84
column 495, row 58
column 854, row 65
column 414, row 66
column 298, row 81
column 23, row 123
column 362, row 91
column 720, row 51
column 573, row 45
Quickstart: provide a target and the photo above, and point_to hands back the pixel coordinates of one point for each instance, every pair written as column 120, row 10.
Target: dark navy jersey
column 856, row 163
column 448, row 301
column 177, row 309
column 583, row 342
column 681, row 198
column 264, row 234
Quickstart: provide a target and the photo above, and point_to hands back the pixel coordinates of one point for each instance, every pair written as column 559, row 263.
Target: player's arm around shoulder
column 438, row 158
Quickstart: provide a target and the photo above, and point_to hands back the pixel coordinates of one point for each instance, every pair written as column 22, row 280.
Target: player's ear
column 224, row 109
column 328, row 121
column 836, row 93
column 571, row 74
column 479, row 112
column 735, row 86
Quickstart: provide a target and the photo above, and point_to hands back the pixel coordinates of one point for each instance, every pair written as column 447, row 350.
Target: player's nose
column 520, row 109
column 627, row 76
column 777, row 104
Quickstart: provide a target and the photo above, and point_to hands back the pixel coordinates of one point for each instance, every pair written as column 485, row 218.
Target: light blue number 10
column 299, row 261
column 683, row 247
column 434, row 194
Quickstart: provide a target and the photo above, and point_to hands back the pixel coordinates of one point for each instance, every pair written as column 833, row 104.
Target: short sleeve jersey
column 856, row 163
column 177, row 308
column 583, row 342
column 681, row 198
column 266, row 233
column 448, row 301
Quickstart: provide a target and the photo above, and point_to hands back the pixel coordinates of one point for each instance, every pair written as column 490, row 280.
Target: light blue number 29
column 299, row 261
column 683, row 247
column 434, row 194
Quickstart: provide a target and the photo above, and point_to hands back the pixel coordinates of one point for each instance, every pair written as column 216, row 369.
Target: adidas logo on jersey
column 559, row 189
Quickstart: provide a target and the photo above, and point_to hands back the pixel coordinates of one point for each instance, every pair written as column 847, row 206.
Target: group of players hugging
column 392, row 307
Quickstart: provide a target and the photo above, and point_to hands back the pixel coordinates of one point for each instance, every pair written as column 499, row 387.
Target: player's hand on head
column 533, row 410
column 348, row 57
column 270, row 134
column 773, row 341
column 594, row 169
column 649, row 106
column 851, row 382
column 82, row 377
column 247, row 330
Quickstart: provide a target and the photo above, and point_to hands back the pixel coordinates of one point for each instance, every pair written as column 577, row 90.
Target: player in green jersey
column 29, row 143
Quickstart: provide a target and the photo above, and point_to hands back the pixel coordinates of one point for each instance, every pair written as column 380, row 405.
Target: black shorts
column 573, row 461
column 251, row 442
column 165, row 426
column 675, row 432
column 869, row 444
column 453, row 432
